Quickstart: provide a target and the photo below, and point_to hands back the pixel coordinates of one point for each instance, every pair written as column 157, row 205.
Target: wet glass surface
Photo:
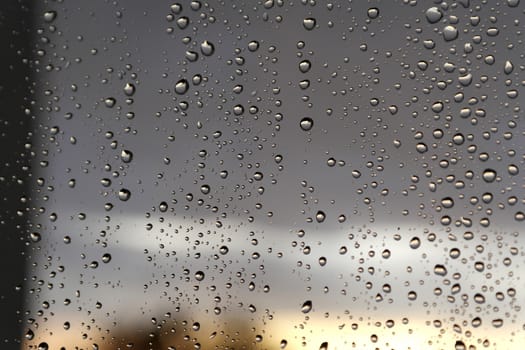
column 268, row 174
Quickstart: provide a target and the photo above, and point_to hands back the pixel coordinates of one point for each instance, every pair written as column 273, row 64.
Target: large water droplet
column 124, row 194
column 320, row 216
column 450, row 33
column 304, row 66
column 207, row 48
column 306, row 123
column 199, row 275
column 372, row 12
column 182, row 87
column 489, row 175
column 433, row 14
column 183, row 22
column 508, row 67
column 126, row 155
column 307, row 307
column 49, row 16
column 129, row 89
column 309, row 23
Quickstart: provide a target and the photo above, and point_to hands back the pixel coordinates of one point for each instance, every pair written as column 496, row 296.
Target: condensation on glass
column 276, row 174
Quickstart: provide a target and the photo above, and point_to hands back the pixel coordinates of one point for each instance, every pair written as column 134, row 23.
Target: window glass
column 268, row 174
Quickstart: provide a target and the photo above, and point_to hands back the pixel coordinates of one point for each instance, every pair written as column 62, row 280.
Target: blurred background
column 272, row 174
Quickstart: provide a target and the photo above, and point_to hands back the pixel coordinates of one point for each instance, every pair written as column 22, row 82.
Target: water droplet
column 373, row 12
column 196, row 326
column 306, row 123
column 182, row 87
column 110, row 102
column 508, row 67
column 497, row 323
column 513, row 3
column 307, row 307
column 440, row 270
column 324, row 346
column 207, row 48
column 433, row 15
column 447, row 202
column 309, row 23
column 459, row 345
column 106, row 258
column 35, row 237
column 450, row 33
column 283, row 344
column 253, row 46
column 126, row 155
column 129, row 89
column 49, row 16
column 182, row 22
column 205, row 189
column 421, row 147
column 199, row 275
column 320, row 216
column 304, row 66
column 454, row 253
column 415, row 242
column 124, row 194
column 489, row 175
column 43, row 346
column 29, row 335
